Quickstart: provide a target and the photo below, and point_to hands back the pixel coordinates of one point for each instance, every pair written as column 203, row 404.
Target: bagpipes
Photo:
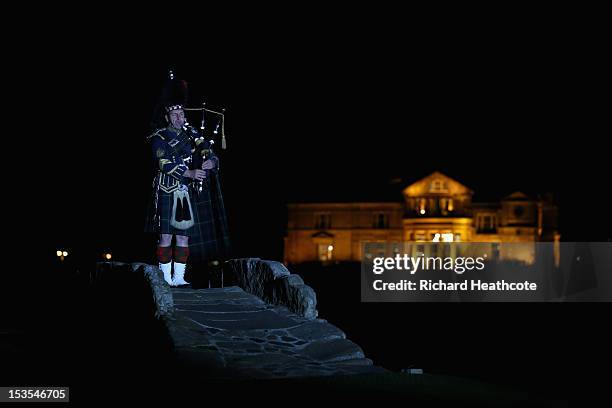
column 204, row 148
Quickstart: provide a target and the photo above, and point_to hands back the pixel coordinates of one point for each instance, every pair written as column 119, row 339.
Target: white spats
column 166, row 269
column 179, row 274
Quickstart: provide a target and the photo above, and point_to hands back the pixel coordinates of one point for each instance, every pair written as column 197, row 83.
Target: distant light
column 449, row 237
column 422, row 211
column 330, row 248
column 59, row 253
column 108, row 256
column 65, row 253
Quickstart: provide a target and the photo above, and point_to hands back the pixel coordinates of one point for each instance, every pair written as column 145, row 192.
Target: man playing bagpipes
column 186, row 203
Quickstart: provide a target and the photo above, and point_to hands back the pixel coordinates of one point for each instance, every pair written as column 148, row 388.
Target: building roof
column 436, row 184
column 369, row 189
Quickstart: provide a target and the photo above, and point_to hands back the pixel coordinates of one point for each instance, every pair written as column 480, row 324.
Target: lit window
column 325, row 252
column 447, row 237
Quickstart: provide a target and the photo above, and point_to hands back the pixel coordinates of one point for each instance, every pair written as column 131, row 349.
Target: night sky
column 326, row 116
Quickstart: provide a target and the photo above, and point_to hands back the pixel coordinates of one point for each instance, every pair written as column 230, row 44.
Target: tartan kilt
column 209, row 237
column 164, row 212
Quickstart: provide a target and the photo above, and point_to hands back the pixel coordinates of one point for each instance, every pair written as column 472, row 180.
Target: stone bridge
column 262, row 324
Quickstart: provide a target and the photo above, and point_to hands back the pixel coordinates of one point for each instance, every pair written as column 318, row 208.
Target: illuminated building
column 435, row 209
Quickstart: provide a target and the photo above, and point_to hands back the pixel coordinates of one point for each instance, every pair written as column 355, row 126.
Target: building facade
column 434, row 209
